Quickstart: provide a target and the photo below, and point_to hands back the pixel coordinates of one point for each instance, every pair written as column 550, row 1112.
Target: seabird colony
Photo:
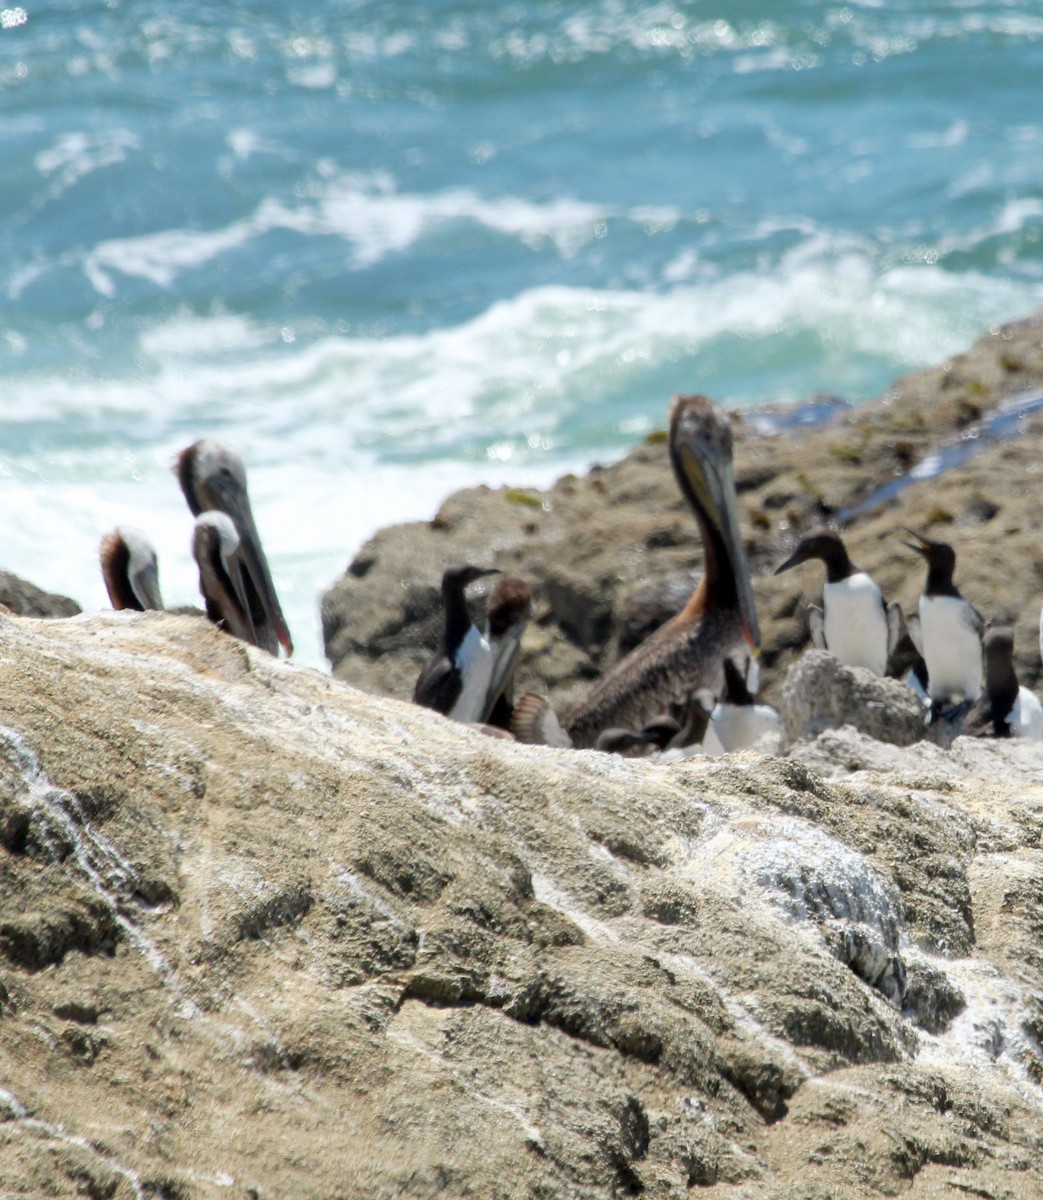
column 690, row 686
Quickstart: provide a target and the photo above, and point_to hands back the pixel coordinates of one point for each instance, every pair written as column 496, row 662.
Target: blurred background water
column 388, row 249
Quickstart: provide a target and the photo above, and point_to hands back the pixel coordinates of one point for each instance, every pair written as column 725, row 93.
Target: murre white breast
column 855, row 617
column 951, row 628
column 856, row 622
column 1026, row 717
column 474, row 661
column 951, row 648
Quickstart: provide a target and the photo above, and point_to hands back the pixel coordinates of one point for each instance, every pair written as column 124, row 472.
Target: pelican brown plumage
column 217, row 549
column 508, row 611
column 686, row 654
column 130, row 569
column 213, row 479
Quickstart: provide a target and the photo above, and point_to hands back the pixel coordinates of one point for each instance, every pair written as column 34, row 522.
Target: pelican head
column 213, row 479
column 130, row 569
column 508, row 611
column 701, row 454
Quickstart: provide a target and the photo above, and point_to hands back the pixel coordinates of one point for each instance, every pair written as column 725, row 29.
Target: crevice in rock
column 35, row 940
column 287, row 907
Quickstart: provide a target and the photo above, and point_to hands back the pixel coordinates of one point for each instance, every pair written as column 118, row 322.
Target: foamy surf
column 403, row 256
column 342, row 435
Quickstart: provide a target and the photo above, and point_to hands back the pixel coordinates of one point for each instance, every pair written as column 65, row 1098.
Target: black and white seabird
column 508, row 611
column 459, row 676
column 130, row 569
column 664, row 672
column 1005, row 709
column 737, row 720
column 951, row 628
column 855, row 624
column 217, row 549
column 213, row 479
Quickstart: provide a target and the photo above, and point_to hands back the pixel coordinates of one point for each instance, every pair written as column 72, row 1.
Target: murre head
column 826, row 545
column 461, row 575
column 941, row 562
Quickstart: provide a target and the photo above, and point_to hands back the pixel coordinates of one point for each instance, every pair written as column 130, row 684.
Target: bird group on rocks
column 961, row 666
column 234, row 576
column 689, row 687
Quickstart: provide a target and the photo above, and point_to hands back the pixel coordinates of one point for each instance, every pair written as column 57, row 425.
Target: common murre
column 951, row 628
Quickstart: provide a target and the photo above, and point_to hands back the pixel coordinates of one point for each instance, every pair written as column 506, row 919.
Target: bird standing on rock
column 213, row 479
column 687, row 653
column 222, row 576
column 457, row 678
column 130, row 569
column 855, row 624
column 737, row 720
column 507, row 615
column 951, row 628
column 1005, row 709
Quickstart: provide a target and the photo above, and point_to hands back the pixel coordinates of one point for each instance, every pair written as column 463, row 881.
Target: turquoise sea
column 388, row 249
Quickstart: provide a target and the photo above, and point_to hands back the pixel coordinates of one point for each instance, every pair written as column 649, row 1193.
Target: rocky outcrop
column 612, row 554
column 262, row 934
column 820, row 693
column 27, row 600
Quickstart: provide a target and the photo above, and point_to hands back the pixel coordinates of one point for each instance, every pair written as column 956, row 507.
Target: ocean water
column 389, row 249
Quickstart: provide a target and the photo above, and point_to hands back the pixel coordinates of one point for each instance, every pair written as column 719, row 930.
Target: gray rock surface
column 820, row 693
column 262, row 934
column 27, row 600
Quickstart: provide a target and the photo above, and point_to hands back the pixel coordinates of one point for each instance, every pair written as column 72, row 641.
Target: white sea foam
column 75, row 154
column 343, row 434
column 365, row 210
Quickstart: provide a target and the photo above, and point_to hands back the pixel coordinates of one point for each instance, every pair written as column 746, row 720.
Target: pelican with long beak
column 213, row 479
column 687, row 654
column 217, row 549
column 130, row 569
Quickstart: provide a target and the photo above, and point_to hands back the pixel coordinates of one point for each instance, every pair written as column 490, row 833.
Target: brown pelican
column 213, row 479
column 507, row 615
column 217, row 549
column 686, row 654
column 130, row 569
column 457, row 679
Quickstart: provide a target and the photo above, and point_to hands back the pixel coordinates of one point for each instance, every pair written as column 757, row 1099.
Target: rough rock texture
column 263, row 935
column 612, row 554
column 820, row 693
